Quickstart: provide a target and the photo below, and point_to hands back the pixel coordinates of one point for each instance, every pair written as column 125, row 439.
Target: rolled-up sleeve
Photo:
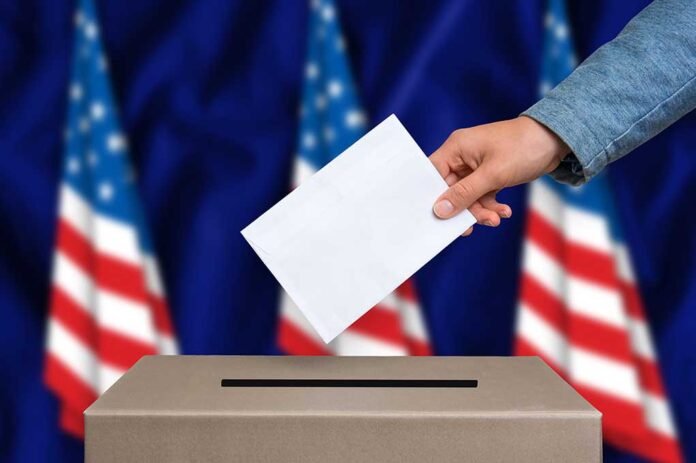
column 626, row 92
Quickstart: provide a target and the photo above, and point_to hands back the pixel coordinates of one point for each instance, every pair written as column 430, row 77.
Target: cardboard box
column 342, row 409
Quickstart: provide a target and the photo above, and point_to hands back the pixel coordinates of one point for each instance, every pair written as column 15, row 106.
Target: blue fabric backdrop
column 209, row 91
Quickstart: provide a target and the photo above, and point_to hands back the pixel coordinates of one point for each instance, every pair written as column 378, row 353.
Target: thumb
column 462, row 194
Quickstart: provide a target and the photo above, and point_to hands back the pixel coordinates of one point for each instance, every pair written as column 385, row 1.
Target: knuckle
column 462, row 191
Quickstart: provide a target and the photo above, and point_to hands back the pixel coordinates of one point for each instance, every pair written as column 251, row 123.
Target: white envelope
column 357, row 229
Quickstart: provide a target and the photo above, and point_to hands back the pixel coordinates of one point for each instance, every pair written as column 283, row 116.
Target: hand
column 479, row 161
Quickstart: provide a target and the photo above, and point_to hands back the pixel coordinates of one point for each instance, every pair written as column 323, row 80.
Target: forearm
column 627, row 92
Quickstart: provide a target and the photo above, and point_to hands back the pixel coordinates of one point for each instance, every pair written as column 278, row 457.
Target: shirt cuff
column 587, row 157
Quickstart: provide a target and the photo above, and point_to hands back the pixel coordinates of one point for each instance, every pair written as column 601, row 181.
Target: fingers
column 489, row 202
column 468, row 231
column 484, row 216
column 462, row 194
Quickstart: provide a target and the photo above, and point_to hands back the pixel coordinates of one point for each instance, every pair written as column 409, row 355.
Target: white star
column 320, row 102
column 315, row 4
column 549, row 19
column 103, row 63
column 83, row 124
column 334, row 88
column 544, row 88
column 329, row 134
column 572, row 61
column 116, row 142
column 561, row 31
column 92, row 158
column 97, row 110
column 309, row 140
column 91, row 30
column 106, row 191
column 73, row 165
column 312, row 70
column 78, row 18
column 328, row 12
column 355, row 118
column 75, row 91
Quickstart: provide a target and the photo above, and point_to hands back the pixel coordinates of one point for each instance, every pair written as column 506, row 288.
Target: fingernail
column 443, row 208
column 505, row 214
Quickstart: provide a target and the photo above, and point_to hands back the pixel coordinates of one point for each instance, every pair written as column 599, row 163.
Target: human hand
column 478, row 162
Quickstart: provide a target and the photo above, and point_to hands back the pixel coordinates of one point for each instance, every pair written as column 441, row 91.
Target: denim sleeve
column 626, row 92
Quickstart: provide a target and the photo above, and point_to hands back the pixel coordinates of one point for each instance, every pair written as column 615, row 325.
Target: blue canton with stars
column 559, row 60
column 331, row 117
column 96, row 162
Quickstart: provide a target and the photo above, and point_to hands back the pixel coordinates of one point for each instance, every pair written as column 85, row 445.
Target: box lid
column 184, row 385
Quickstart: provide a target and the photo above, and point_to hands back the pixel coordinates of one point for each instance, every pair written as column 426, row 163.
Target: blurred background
column 203, row 114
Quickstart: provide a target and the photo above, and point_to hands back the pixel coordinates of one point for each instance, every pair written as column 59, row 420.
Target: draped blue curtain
column 209, row 92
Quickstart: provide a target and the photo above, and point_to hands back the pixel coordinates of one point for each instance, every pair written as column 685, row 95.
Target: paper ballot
column 357, row 229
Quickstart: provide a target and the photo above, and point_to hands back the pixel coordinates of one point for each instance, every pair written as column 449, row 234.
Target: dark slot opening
column 413, row 383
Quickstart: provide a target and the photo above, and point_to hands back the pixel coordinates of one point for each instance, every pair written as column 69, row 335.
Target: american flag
column 107, row 306
column 580, row 308
column 331, row 120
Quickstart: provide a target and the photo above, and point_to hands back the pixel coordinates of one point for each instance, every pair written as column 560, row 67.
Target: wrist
column 550, row 145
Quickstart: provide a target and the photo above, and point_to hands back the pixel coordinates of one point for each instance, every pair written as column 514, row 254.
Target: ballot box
column 341, row 409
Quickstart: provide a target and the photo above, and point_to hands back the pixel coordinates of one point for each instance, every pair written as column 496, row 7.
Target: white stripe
column 579, row 226
column 292, row 314
column 77, row 357
column 658, row 415
column 107, row 235
column 166, row 345
column 542, row 336
column 622, row 260
column 391, row 302
column 546, row 203
column 606, row 375
column 546, row 271
column 109, row 310
column 582, row 296
column 412, row 320
column 587, row 229
column 302, row 171
column 641, row 342
column 351, row 342
column 153, row 281
column 596, row 302
column 595, row 371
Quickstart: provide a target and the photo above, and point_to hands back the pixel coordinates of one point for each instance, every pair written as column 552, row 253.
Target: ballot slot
column 356, row 383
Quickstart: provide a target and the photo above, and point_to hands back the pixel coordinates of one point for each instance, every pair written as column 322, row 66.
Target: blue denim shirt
column 626, row 92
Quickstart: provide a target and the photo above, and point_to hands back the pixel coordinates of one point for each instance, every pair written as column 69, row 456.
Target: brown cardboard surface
column 174, row 409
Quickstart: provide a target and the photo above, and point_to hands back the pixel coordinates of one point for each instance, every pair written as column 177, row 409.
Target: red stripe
column 650, row 378
column 621, row 419
column 590, row 334
column 111, row 347
column 73, row 245
column 160, row 314
column 544, row 303
column 417, row 347
column 72, row 422
column 382, row 324
column 632, row 300
column 74, row 393
column 655, row 447
column 295, row 342
column 576, row 259
column 408, row 291
column 112, row 274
